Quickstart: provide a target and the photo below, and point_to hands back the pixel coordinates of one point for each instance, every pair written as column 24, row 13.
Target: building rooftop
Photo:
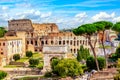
column 10, row 38
column 19, row 20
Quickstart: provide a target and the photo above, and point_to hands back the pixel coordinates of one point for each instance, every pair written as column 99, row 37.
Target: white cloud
column 80, row 17
column 37, row 13
column 60, row 21
column 4, row 17
column 103, row 16
column 63, row 21
column 116, row 19
column 44, row 15
column 25, row 5
column 32, row 14
column 5, row 8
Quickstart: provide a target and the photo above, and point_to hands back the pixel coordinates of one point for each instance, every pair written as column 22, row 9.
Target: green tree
column 29, row 54
column 114, row 57
column 2, row 31
column 86, row 54
column 16, row 57
column 102, row 62
column 116, row 27
column 83, row 53
column 79, row 57
column 118, row 52
column 91, row 62
column 103, row 26
column 33, row 62
column 79, row 53
column 68, row 67
column 2, row 75
column 54, row 62
column 87, row 30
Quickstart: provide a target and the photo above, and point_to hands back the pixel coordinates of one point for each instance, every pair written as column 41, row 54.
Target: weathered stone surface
column 45, row 28
column 53, row 51
column 58, row 49
column 20, row 25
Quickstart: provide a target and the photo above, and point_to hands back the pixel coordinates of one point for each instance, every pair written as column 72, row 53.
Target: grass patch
column 24, row 59
column 36, row 55
column 106, row 46
column 30, row 78
column 38, row 77
column 10, row 66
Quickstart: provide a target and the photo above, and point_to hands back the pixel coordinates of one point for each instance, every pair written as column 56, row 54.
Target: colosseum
column 37, row 35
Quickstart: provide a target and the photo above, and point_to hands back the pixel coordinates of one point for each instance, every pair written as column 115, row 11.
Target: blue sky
column 65, row 13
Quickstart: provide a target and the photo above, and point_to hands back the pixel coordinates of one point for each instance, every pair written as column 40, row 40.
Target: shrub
column 68, row 67
column 29, row 54
column 2, row 31
column 33, row 62
column 40, row 66
column 48, row 74
column 2, row 75
column 54, row 62
column 101, row 62
column 92, row 65
column 16, row 57
column 83, row 53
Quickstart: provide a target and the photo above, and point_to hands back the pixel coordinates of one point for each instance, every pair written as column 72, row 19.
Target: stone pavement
column 105, row 74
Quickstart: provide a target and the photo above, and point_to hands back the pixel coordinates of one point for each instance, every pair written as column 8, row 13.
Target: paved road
column 12, row 77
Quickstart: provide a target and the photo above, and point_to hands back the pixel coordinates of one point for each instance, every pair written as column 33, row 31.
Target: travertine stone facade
column 30, row 47
column 66, row 38
column 48, row 34
column 51, row 52
column 44, row 29
column 20, row 25
column 22, row 35
column 2, row 60
column 10, row 46
column 48, row 57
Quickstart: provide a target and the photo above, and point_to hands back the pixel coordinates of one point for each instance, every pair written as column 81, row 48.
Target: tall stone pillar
column 22, row 35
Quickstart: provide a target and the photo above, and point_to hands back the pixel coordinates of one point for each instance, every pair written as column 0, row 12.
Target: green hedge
column 19, row 64
column 2, row 75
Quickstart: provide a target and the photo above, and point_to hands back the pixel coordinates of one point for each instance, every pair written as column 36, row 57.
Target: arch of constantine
column 51, row 52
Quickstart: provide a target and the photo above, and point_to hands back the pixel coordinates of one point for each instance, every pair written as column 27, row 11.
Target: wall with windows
column 39, row 35
column 67, row 38
column 10, row 46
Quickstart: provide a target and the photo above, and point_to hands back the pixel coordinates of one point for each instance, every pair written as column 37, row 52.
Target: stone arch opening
column 53, row 52
column 53, row 58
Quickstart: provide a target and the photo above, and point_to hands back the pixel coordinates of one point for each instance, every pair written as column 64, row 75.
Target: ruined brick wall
column 62, row 34
column 45, row 28
column 20, row 25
